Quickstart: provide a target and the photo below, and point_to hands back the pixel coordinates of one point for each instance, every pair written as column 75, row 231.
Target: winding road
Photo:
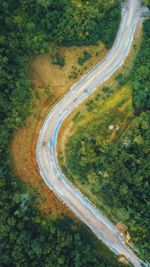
column 46, row 147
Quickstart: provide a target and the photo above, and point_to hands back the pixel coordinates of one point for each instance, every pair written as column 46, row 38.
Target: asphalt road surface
column 46, row 148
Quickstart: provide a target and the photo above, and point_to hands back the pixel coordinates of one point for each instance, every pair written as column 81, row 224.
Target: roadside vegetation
column 140, row 76
column 107, row 156
column 49, row 83
column 27, row 237
column 86, row 55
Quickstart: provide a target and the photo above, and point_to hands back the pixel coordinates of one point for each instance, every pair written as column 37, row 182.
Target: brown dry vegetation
column 43, row 74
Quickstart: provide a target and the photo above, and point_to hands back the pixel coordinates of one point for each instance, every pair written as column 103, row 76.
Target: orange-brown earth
column 46, row 75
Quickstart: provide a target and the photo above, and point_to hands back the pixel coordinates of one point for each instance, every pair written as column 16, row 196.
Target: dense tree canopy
column 28, row 239
column 65, row 21
column 117, row 172
column 141, row 73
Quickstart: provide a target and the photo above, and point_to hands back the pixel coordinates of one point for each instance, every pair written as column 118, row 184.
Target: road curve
column 46, row 147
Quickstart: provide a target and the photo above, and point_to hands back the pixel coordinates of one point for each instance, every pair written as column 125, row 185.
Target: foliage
column 122, row 167
column 29, row 239
column 63, row 21
column 74, row 72
column 90, row 21
column 146, row 2
column 57, row 59
column 121, row 79
column 140, row 75
column 106, row 89
column 86, row 55
column 90, row 105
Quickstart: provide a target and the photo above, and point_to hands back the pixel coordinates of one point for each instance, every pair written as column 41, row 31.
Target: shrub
column 86, row 55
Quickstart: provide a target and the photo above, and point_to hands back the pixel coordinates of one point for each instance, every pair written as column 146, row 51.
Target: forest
column 140, row 74
column 27, row 238
column 118, row 172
